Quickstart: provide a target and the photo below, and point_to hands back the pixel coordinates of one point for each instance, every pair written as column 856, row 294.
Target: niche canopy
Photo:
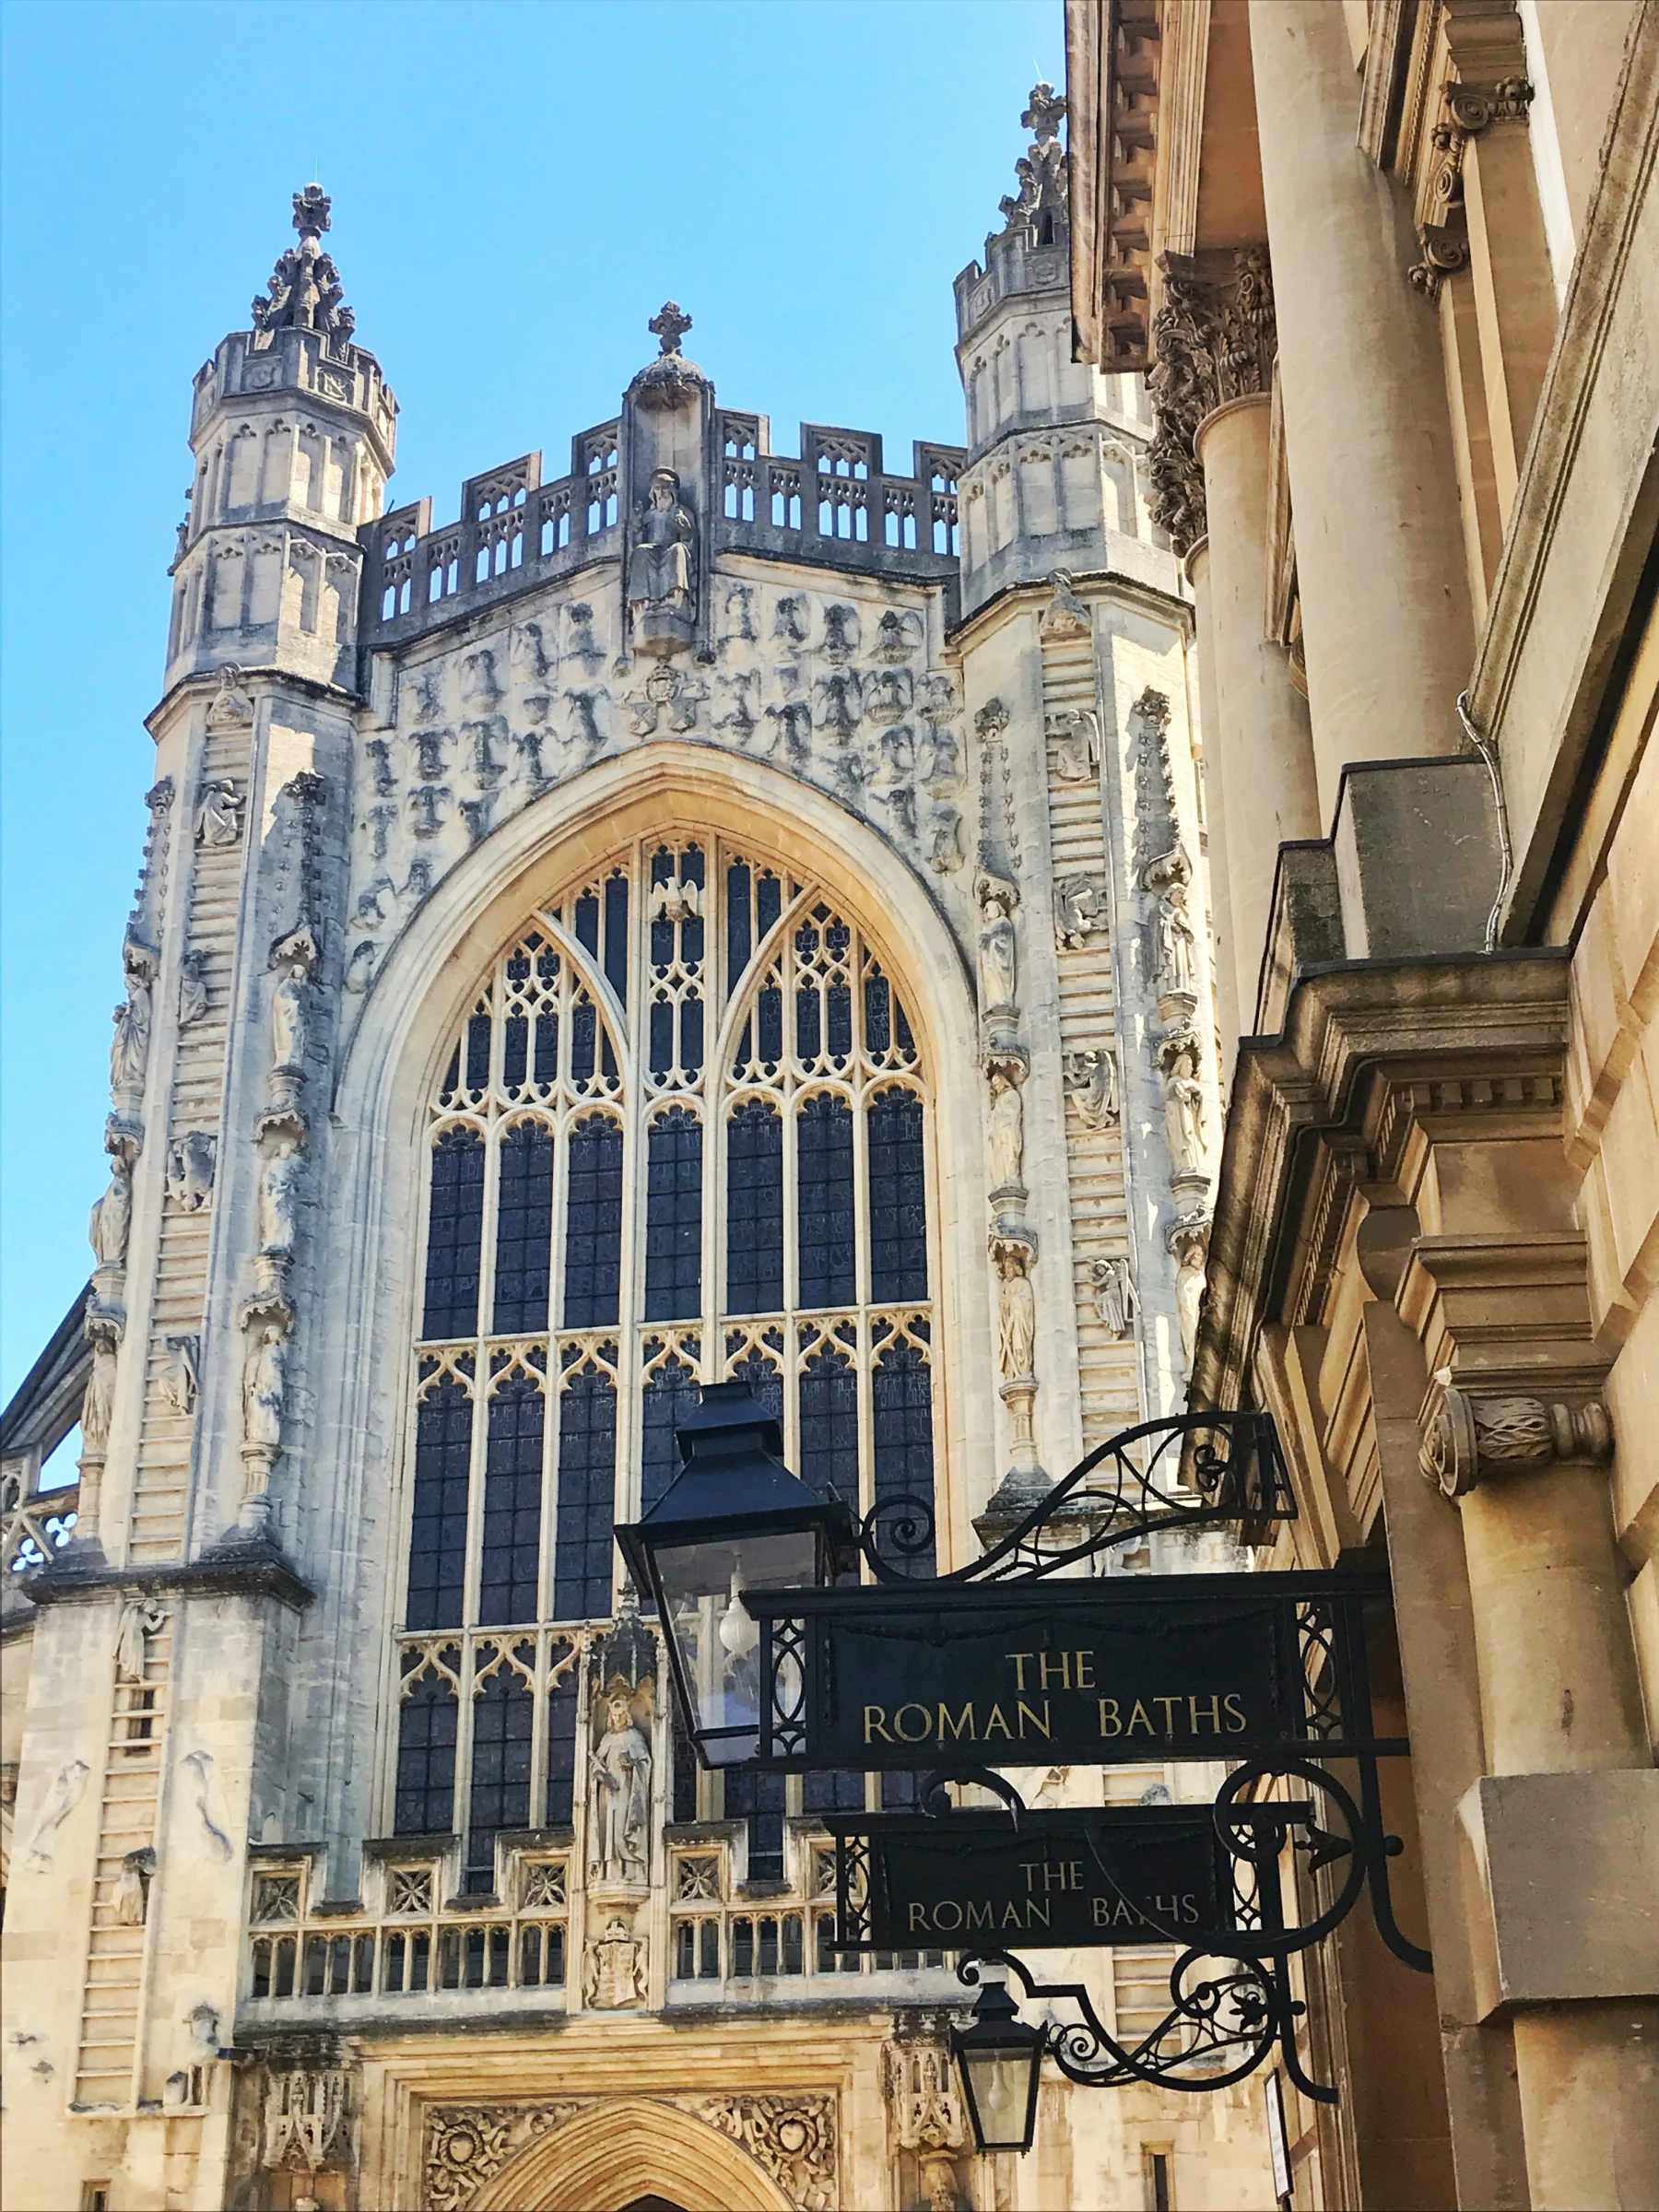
column 734, row 1519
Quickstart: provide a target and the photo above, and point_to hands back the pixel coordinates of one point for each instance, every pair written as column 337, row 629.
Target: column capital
column 1213, row 341
column 1466, row 1441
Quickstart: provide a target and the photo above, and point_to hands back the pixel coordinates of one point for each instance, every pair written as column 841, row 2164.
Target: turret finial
column 670, row 325
column 304, row 290
column 1041, row 201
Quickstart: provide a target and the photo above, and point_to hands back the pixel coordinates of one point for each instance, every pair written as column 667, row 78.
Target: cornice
column 1088, row 583
column 1373, row 1055
column 257, row 1568
column 262, row 681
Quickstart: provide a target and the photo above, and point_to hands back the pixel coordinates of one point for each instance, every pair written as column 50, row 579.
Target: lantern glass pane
column 999, row 2086
column 718, row 1642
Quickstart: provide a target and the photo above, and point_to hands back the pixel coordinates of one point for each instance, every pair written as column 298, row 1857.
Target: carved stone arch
column 619, row 2152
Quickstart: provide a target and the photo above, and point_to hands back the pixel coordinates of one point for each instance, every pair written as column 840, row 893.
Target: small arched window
column 681, row 1134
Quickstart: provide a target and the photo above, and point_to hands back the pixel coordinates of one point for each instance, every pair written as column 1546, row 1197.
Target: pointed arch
column 619, row 2152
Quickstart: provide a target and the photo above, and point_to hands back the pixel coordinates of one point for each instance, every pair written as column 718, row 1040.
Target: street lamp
column 1000, row 2059
column 734, row 1518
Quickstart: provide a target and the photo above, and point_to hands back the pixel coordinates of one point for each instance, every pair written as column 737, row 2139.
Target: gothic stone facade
column 708, row 912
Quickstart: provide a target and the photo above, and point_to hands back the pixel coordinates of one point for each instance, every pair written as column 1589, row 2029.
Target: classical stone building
column 1393, row 271
column 704, row 912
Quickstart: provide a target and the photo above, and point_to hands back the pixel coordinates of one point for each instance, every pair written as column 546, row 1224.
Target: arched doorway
column 633, row 2155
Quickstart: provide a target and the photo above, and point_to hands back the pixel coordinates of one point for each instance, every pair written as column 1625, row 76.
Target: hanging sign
column 1073, row 1671
column 1088, row 1878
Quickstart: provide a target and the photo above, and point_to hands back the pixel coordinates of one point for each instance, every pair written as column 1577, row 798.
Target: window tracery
column 682, row 1134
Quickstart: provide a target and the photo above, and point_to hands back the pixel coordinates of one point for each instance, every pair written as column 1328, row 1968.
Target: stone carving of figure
column 619, row 1820
column 1115, row 1301
column 1189, row 1241
column 294, row 958
column 112, row 1216
column 191, row 1162
column 998, row 947
column 1078, row 751
column 129, row 1048
column 218, row 815
column 62, row 1797
column 193, row 987
column 231, row 706
column 948, row 850
column 263, row 1383
column 178, row 1376
column 841, row 633
column 1016, row 1338
column 280, row 1204
column 1090, row 1080
column 98, row 1406
column 1183, row 1104
column 614, row 1972
column 1007, row 1127
column 132, row 1894
column 660, row 566
column 1176, row 946
column 1065, row 616
column 1079, row 910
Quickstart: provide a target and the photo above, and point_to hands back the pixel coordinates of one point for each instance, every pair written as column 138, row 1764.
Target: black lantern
column 1000, row 2059
column 734, row 1518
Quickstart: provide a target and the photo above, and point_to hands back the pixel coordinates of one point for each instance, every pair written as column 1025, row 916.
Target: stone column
column 1560, row 1698
column 1232, row 1012
column 1385, row 611
column 1259, row 731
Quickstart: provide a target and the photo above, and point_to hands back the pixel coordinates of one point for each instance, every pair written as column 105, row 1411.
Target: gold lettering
column 946, row 1905
column 1125, row 1911
column 954, row 1728
column 1143, row 1716
column 1236, row 1722
column 922, row 1733
column 1084, row 1664
column 1050, row 1671
column 1189, row 1910
column 918, row 1917
column 875, row 1724
column 1110, row 1722
column 1214, row 1708
column 1019, row 1659
column 997, row 1722
column 979, row 1916
column 1040, row 1721
column 1168, row 1705
column 1102, row 1911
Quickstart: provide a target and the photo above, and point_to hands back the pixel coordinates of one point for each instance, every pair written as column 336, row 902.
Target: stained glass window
column 524, row 1230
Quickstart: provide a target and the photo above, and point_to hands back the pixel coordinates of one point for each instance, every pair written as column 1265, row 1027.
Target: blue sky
column 516, row 189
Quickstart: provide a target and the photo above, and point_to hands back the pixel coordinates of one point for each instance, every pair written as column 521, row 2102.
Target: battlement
column 834, row 504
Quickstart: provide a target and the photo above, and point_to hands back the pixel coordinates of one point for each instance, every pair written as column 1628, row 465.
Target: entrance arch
column 611, row 2159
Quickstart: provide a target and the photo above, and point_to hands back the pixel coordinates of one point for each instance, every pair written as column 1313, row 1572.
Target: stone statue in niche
column 1090, row 1080
column 98, row 1405
column 294, row 962
column 661, row 591
column 1189, row 1244
column 112, row 1216
column 1114, row 1296
column 614, row 1972
column 132, row 1892
column 218, row 815
column 1005, row 1073
column 129, row 1048
column 279, row 1205
column 1017, row 1329
column 998, row 946
column 619, row 1801
column 231, row 706
column 1183, row 1101
column 1065, row 616
column 193, row 987
column 264, row 1384
column 1175, row 954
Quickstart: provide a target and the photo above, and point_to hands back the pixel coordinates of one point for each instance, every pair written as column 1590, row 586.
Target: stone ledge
column 257, row 1568
column 1562, row 1873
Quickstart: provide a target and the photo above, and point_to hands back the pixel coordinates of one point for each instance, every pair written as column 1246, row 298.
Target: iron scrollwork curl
column 1193, row 1470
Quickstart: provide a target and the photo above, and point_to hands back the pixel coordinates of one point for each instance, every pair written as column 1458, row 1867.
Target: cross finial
column 1042, row 117
column 311, row 211
column 670, row 325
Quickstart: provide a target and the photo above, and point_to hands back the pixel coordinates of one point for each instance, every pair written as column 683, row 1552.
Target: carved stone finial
column 1045, row 112
column 304, row 291
column 312, row 208
column 1469, row 1439
column 670, row 325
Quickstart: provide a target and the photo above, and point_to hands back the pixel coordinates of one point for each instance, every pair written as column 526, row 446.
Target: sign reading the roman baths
column 1090, row 1672
column 1134, row 1874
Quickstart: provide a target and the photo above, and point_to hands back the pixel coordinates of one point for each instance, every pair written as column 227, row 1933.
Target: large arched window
column 683, row 1134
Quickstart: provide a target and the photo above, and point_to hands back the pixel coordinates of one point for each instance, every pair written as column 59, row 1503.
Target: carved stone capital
column 1212, row 340
column 1467, row 1441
